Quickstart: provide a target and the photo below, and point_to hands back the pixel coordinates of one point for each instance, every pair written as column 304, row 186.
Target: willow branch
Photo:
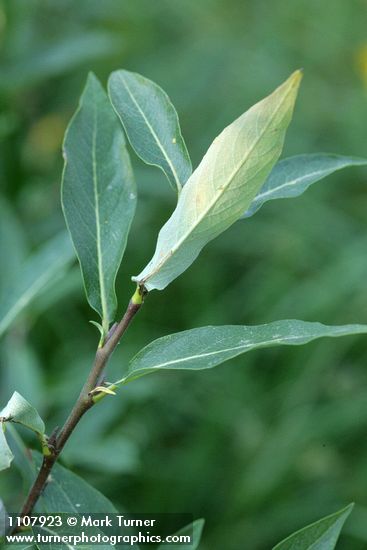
column 84, row 402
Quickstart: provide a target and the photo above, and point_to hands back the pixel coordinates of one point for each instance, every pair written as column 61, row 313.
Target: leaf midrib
column 217, row 352
column 346, row 330
column 220, row 192
column 105, row 317
column 316, row 173
column 292, row 182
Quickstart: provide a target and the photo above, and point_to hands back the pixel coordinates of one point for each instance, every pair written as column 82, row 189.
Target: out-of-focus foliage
column 276, row 439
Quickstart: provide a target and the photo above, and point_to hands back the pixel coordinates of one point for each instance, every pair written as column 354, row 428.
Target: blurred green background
column 275, row 439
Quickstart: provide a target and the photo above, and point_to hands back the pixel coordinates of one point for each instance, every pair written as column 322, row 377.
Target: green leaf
column 193, row 530
column 151, row 124
column 6, row 456
column 19, row 411
column 207, row 347
column 68, row 493
column 322, row 535
column 294, row 175
column 98, row 195
column 223, row 186
column 22, row 457
column 37, row 272
column 99, row 327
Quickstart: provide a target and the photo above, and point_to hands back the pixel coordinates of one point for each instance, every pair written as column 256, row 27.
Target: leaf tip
column 92, row 77
column 296, row 77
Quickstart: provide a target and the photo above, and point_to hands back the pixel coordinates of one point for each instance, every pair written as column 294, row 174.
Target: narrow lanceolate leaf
column 193, row 531
column 223, row 186
column 207, row 347
column 294, row 175
column 18, row 410
column 322, row 535
column 98, row 195
column 22, row 457
column 36, row 273
column 6, row 456
column 68, row 493
column 151, row 124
